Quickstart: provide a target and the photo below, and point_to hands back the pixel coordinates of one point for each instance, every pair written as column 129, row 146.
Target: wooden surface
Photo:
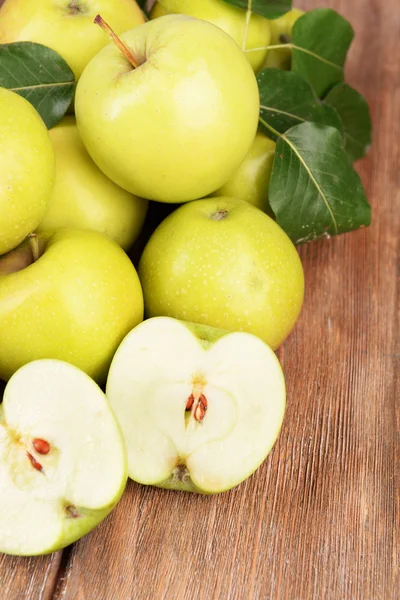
column 320, row 519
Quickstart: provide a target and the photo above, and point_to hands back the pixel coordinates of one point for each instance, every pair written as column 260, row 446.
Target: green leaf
column 314, row 189
column 270, row 9
column 354, row 112
column 320, row 42
column 286, row 100
column 40, row 75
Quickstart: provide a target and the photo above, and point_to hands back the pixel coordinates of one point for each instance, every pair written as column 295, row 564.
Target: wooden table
column 320, row 519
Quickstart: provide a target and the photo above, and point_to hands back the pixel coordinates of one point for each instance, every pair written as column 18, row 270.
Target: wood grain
column 320, row 519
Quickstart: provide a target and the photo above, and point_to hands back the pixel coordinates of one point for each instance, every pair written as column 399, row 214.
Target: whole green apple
column 176, row 127
column 224, row 263
column 84, row 198
column 72, row 296
column 255, row 34
column 63, row 464
column 250, row 182
column 26, row 169
column 66, row 26
column 281, row 33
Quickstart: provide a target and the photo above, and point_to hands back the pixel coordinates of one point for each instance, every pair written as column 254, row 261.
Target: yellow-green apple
column 84, row 198
column 26, row 169
column 250, row 182
column 63, row 463
column 72, row 295
column 222, row 262
column 255, row 34
column 66, row 25
column 177, row 126
column 199, row 408
column 281, row 33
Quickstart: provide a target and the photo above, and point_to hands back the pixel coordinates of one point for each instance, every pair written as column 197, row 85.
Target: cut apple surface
column 200, row 408
column 62, row 458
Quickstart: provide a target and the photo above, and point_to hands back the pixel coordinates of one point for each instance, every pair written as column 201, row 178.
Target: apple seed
column 35, row 464
column 41, row 446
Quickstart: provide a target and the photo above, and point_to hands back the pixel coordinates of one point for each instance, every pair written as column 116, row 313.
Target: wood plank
column 319, row 520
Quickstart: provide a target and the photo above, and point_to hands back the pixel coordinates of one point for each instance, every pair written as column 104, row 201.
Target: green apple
column 84, row 198
column 63, row 462
column 73, row 296
column 250, row 182
column 199, row 408
column 224, row 263
column 255, row 34
column 66, row 25
column 176, row 127
column 281, row 32
column 26, row 169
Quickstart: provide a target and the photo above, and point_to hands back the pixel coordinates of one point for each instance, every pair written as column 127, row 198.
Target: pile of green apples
column 193, row 397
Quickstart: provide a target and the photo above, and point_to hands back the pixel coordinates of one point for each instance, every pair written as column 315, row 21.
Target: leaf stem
column 272, row 129
column 246, row 29
column 117, row 41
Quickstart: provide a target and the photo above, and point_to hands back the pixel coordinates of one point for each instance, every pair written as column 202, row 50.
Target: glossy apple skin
column 84, row 198
column 229, row 18
column 176, row 128
column 250, row 181
column 281, row 58
column 75, row 303
column 26, row 169
column 224, row 263
column 65, row 26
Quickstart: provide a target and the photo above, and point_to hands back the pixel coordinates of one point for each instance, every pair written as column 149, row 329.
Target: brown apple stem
column 34, row 243
column 113, row 36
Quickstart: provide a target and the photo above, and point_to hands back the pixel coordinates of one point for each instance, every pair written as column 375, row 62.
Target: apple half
column 199, row 408
column 62, row 458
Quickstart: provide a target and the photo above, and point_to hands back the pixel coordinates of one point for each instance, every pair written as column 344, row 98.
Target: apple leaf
column 270, row 9
column 314, row 189
column 320, row 42
column 354, row 113
column 40, row 75
column 286, row 100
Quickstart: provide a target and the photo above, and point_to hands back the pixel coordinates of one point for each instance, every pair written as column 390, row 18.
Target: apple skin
column 176, row 128
column 75, row 303
column 251, row 180
column 281, row 58
column 224, row 263
column 229, row 18
column 26, row 169
column 66, row 26
column 84, row 198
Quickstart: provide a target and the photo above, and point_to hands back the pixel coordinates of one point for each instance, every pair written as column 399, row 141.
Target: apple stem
column 34, row 242
column 113, row 36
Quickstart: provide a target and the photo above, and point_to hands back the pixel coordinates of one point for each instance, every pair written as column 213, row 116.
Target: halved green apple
column 62, row 458
column 200, row 408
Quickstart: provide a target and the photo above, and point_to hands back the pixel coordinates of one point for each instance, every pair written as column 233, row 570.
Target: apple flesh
column 224, row 263
column 84, row 198
column 63, row 463
column 281, row 33
column 255, row 34
column 176, row 127
column 250, row 182
column 74, row 301
column 199, row 408
column 66, row 26
column 26, row 169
